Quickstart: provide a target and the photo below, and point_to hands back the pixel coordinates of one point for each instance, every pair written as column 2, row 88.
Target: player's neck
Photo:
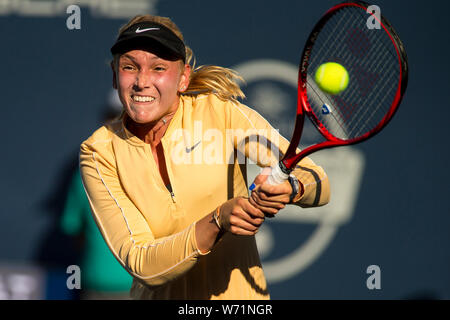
column 150, row 133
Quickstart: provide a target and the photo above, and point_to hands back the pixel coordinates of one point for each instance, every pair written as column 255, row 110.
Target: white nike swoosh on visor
column 143, row 30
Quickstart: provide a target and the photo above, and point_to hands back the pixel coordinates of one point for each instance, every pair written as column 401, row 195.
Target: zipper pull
column 173, row 196
column 169, row 187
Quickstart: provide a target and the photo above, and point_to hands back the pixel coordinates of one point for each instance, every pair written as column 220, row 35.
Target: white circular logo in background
column 344, row 167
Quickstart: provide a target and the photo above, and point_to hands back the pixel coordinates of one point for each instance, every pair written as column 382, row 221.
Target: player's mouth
column 144, row 99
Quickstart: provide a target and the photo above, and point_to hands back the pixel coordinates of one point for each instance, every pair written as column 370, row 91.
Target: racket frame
column 291, row 157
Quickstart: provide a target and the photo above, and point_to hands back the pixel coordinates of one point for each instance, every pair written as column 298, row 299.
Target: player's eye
column 160, row 68
column 128, row 67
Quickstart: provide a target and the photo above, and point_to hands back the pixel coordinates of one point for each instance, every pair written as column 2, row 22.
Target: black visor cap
column 152, row 37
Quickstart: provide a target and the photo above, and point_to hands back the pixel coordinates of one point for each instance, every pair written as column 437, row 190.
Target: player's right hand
column 239, row 217
column 269, row 198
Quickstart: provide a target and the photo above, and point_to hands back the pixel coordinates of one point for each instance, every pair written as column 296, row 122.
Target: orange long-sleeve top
column 150, row 228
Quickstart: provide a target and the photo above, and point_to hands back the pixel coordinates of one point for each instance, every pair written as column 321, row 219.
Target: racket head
column 377, row 64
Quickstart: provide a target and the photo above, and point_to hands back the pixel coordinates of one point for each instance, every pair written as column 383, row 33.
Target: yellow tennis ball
column 332, row 77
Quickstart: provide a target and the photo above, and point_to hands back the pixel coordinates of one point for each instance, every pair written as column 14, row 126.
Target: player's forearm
column 159, row 261
column 315, row 184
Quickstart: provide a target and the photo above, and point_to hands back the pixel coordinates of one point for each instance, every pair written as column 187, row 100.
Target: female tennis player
column 166, row 181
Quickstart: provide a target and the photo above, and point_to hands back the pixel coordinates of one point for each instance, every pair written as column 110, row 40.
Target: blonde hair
column 221, row 81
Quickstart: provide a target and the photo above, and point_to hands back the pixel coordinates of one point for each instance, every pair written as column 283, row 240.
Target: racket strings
column 382, row 107
column 382, row 53
column 370, row 58
column 332, row 39
column 371, row 120
column 331, row 36
column 335, row 30
column 316, row 92
column 381, row 101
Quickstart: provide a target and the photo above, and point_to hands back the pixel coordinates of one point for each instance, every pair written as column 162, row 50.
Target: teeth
column 143, row 98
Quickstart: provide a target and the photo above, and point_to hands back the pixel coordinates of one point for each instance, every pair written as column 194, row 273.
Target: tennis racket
column 365, row 43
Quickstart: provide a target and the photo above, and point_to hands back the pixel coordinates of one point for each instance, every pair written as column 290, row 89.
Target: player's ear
column 114, row 79
column 185, row 78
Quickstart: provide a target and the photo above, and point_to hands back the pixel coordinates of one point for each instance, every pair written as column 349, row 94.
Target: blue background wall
column 54, row 85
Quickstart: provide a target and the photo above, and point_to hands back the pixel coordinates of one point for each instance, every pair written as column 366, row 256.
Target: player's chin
column 142, row 116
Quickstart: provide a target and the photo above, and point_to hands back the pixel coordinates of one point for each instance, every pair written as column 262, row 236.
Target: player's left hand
column 270, row 198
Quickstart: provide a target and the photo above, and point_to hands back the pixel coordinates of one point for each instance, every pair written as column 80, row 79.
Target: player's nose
column 143, row 80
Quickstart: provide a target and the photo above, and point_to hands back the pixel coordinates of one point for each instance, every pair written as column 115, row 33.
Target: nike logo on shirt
column 188, row 150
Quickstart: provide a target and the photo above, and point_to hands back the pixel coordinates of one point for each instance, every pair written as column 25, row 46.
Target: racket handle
column 277, row 176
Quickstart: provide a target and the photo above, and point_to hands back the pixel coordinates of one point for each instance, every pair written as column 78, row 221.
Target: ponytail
column 223, row 82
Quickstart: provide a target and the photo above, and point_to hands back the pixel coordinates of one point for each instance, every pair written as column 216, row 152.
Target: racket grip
column 277, row 176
